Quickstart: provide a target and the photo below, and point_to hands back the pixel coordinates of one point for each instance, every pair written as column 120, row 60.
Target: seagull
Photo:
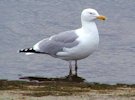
column 71, row 45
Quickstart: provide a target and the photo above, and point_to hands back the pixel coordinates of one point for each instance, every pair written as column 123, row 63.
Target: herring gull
column 71, row 45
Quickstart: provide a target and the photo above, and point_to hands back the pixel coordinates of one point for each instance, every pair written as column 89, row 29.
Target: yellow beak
column 101, row 17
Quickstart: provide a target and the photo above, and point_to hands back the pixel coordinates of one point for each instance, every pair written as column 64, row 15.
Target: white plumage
column 72, row 45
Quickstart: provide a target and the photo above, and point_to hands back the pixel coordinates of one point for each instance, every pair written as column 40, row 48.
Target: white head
column 89, row 15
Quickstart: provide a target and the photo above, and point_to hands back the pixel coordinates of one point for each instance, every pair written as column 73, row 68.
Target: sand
column 120, row 94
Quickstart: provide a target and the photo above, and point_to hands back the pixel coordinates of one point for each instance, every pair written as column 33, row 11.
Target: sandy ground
column 119, row 94
column 52, row 90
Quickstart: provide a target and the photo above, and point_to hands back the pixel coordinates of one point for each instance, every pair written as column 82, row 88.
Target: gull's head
column 89, row 15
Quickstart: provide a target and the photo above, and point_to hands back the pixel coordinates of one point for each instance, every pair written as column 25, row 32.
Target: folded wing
column 56, row 43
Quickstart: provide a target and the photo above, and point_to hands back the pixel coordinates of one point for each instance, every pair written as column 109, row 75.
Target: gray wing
column 57, row 42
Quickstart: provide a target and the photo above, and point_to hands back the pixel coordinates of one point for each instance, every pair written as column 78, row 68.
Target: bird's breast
column 87, row 45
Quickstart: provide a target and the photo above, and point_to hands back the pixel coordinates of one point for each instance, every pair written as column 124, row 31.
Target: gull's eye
column 91, row 13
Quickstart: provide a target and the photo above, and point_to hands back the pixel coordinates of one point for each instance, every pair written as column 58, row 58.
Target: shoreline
column 24, row 90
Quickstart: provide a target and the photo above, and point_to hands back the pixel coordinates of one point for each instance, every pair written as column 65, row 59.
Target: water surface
column 25, row 22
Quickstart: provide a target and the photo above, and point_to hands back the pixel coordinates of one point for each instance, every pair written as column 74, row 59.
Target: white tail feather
column 28, row 54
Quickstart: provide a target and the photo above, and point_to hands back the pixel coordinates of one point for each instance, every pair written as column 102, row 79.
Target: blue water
column 25, row 22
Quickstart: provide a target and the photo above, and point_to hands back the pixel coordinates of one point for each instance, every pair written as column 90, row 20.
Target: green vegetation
column 39, row 86
column 57, row 88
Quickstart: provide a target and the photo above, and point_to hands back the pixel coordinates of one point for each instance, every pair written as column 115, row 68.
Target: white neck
column 89, row 26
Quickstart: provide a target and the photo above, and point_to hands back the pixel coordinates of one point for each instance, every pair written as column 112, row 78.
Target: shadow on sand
column 73, row 78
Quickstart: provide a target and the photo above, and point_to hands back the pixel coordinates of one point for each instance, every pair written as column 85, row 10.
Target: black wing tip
column 27, row 50
column 30, row 50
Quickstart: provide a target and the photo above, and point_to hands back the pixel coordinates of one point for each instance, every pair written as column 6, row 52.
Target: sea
column 25, row 22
